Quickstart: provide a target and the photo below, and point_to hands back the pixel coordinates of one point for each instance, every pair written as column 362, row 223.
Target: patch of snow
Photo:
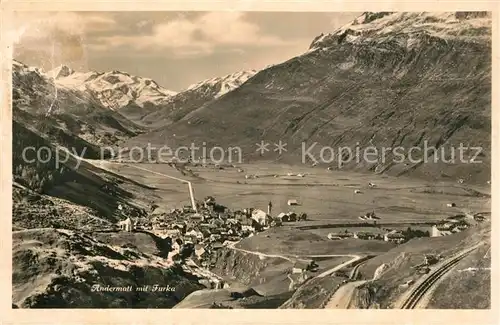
column 117, row 89
column 224, row 84
column 439, row 24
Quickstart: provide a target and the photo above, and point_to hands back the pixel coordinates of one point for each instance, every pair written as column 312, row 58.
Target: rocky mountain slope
column 385, row 80
column 195, row 96
column 63, row 116
column 400, row 265
column 115, row 90
column 42, row 104
column 140, row 99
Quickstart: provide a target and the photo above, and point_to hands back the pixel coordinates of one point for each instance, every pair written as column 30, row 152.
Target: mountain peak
column 60, row 72
column 403, row 25
column 225, row 83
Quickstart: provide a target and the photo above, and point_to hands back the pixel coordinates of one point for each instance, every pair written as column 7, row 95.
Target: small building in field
column 364, row 235
column 441, row 230
column 292, row 202
column 340, row 235
column 287, row 217
column 394, row 236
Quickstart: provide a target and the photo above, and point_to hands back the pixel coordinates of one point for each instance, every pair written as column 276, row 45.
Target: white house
column 440, row 231
column 199, row 250
column 260, row 217
column 394, row 236
column 303, row 266
column 126, row 225
column 293, row 202
column 191, row 233
column 332, row 236
column 299, row 267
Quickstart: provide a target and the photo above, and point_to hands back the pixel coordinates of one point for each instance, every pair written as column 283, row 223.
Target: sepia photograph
column 251, row 160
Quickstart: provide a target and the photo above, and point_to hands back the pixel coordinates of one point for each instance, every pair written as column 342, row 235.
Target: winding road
column 328, row 272
column 341, row 299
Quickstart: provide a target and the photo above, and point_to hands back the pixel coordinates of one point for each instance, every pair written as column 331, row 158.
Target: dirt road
column 292, row 259
column 343, row 296
column 354, row 259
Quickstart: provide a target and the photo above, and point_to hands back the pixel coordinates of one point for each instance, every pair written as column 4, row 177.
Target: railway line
column 416, row 295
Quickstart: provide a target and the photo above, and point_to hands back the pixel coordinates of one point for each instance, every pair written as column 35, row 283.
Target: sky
column 176, row 49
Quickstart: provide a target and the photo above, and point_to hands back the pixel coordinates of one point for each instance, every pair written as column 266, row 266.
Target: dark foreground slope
column 386, row 80
column 59, row 190
column 62, row 269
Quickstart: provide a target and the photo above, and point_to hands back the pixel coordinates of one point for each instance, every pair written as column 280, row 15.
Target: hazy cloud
column 55, row 37
column 174, row 48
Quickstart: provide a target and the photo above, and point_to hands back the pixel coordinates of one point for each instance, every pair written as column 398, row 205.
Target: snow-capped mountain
column 195, row 97
column 114, row 89
column 137, row 98
column 219, row 86
column 60, row 72
column 44, row 106
column 35, row 91
column 382, row 26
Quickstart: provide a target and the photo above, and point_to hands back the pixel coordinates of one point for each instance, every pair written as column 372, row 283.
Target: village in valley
column 208, row 226
column 196, row 232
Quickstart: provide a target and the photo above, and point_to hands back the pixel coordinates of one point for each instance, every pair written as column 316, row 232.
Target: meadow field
column 325, row 196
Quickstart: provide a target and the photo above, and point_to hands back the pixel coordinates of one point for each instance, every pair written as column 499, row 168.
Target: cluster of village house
column 212, row 227
column 456, row 224
column 444, row 227
column 391, row 236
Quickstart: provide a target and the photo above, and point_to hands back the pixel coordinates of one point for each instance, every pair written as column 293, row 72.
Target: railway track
column 418, row 293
